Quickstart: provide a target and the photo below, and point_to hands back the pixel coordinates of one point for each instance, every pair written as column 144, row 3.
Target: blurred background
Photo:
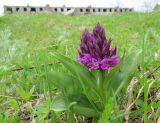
column 137, row 5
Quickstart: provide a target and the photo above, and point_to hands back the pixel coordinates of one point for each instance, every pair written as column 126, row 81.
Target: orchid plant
column 95, row 78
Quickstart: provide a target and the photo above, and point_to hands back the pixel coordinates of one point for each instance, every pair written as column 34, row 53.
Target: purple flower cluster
column 95, row 52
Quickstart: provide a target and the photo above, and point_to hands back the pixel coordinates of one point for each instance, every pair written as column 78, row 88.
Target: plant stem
column 101, row 85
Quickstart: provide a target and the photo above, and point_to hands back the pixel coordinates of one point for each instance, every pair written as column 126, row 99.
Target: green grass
column 43, row 30
column 46, row 33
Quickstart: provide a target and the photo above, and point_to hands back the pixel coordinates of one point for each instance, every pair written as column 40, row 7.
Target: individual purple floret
column 95, row 52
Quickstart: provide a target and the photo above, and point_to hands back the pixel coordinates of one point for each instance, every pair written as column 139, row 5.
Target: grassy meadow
column 27, row 45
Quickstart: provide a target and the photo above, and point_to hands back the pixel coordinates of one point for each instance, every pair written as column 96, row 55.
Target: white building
column 137, row 5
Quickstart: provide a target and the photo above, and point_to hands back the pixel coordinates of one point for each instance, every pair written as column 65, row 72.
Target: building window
column 40, row 9
column 104, row 10
column 17, row 9
column 55, row 9
column 68, row 9
column 25, row 9
column 81, row 10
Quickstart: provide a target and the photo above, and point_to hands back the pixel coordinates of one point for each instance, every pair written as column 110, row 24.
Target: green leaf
column 78, row 70
column 59, row 105
column 25, row 95
column 156, row 85
column 111, row 75
column 32, row 90
column 86, row 78
column 67, row 82
column 85, row 111
column 42, row 110
column 107, row 111
column 82, row 106
column 125, row 74
column 13, row 103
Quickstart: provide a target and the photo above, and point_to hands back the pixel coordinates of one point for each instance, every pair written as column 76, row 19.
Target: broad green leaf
column 85, row 111
column 125, row 74
column 110, row 75
column 59, row 105
column 87, row 79
column 82, row 103
column 115, row 70
column 64, row 81
column 42, row 110
column 79, row 99
column 78, row 70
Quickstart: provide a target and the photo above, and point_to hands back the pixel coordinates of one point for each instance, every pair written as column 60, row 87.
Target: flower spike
column 95, row 52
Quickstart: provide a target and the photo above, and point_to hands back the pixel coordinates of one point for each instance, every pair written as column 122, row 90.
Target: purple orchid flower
column 95, row 52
